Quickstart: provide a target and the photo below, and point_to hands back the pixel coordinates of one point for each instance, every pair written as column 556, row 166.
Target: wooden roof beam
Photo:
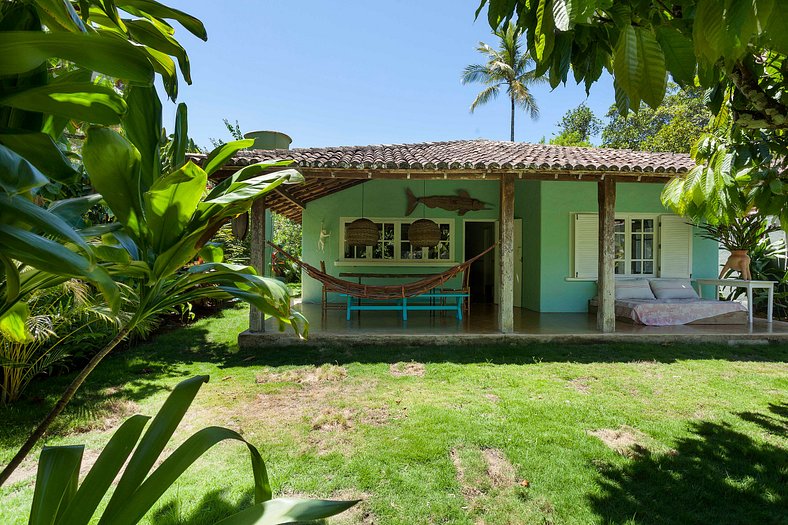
column 290, row 197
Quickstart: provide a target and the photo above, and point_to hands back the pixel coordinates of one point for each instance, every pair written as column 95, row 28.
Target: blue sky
column 355, row 72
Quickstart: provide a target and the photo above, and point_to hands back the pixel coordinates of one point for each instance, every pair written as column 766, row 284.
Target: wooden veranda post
column 506, row 303
column 257, row 258
column 606, row 313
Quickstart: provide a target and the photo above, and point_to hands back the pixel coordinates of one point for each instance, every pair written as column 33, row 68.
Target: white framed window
column 393, row 245
column 646, row 245
column 636, row 243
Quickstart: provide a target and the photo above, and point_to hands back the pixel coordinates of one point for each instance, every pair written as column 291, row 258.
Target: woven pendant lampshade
column 240, row 226
column 424, row 233
column 361, row 232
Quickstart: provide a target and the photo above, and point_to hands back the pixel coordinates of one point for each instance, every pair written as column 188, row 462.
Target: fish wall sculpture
column 461, row 203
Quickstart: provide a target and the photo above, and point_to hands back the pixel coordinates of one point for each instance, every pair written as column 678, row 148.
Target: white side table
column 741, row 283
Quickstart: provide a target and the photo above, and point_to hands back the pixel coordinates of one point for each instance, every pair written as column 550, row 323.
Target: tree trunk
column 512, row 125
column 60, row 405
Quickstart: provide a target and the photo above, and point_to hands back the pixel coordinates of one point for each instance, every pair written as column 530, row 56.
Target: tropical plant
column 767, row 263
column 674, row 125
column 163, row 219
column 51, row 50
column 577, row 126
column 735, row 50
column 741, row 234
column 59, row 498
column 506, row 67
column 63, row 318
column 233, row 129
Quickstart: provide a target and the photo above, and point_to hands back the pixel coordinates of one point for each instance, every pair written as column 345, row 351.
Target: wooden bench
column 407, row 303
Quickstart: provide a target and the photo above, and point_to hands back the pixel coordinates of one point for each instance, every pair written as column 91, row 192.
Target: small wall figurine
column 324, row 235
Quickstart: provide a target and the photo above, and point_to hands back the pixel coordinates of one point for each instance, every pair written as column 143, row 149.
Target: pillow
column 673, row 289
column 634, row 289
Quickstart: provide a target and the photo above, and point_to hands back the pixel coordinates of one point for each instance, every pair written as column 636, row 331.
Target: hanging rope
column 365, row 291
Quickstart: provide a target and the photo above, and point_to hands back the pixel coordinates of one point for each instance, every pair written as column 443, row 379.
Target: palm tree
column 507, row 66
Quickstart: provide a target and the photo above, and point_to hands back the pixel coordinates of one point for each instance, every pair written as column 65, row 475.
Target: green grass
column 486, row 435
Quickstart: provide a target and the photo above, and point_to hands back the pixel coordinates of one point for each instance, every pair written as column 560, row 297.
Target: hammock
column 384, row 292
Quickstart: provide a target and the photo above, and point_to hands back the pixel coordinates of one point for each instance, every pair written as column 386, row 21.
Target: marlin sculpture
column 461, row 203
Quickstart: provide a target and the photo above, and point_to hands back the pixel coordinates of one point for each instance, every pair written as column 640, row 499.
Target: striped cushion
column 633, row 289
column 673, row 289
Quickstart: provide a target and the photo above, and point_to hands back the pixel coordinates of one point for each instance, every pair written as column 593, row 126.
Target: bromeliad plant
column 163, row 219
column 59, row 499
column 745, row 233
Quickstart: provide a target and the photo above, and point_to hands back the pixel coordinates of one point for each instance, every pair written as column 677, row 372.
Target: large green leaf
column 9, row 271
column 708, row 29
column 17, row 175
column 135, row 507
column 272, row 308
column 12, row 322
column 50, row 256
column 41, row 220
column 233, row 181
column 56, row 483
column 147, row 33
column 23, row 51
column 100, row 477
column 776, row 33
column 59, row 15
column 544, row 31
column 153, row 442
column 627, row 66
column 41, row 150
column 158, row 10
column 113, row 164
column 165, row 66
column 679, row 55
column 72, row 210
column 78, row 101
column 142, row 124
column 652, row 63
column 223, row 153
column 286, row 510
column 180, row 138
column 639, row 66
column 170, row 204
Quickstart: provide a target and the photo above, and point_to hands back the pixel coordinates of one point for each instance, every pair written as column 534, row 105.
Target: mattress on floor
column 669, row 312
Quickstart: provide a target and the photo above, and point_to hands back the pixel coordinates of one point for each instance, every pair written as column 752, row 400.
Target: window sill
column 618, row 278
column 408, row 264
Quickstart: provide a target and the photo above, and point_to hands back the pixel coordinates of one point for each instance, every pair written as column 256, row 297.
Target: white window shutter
column 675, row 247
column 586, row 245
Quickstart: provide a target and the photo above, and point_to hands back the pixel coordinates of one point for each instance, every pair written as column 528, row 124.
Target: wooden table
column 741, row 283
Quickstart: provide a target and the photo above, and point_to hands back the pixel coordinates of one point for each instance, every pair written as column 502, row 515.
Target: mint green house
column 564, row 218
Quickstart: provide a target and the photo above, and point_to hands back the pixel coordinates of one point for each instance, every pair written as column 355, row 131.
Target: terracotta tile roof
column 475, row 155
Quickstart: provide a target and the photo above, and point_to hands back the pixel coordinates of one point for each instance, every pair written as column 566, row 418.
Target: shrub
column 66, row 321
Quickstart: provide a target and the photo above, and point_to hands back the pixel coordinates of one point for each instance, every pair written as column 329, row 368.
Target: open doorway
column 480, row 235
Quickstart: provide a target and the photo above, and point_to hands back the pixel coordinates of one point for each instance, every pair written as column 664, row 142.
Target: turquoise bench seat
column 418, row 302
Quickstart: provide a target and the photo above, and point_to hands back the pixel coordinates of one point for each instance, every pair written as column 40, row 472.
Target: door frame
column 496, row 255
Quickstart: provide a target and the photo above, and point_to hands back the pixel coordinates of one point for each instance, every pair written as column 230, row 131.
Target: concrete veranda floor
column 481, row 327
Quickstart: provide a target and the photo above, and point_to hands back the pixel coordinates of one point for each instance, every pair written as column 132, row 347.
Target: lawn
column 499, row 435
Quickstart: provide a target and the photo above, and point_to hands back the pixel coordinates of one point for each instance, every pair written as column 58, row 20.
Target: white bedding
column 668, row 312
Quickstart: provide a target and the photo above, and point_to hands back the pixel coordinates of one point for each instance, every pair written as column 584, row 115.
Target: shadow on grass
column 520, row 354
column 717, row 475
column 136, row 373
column 212, row 507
